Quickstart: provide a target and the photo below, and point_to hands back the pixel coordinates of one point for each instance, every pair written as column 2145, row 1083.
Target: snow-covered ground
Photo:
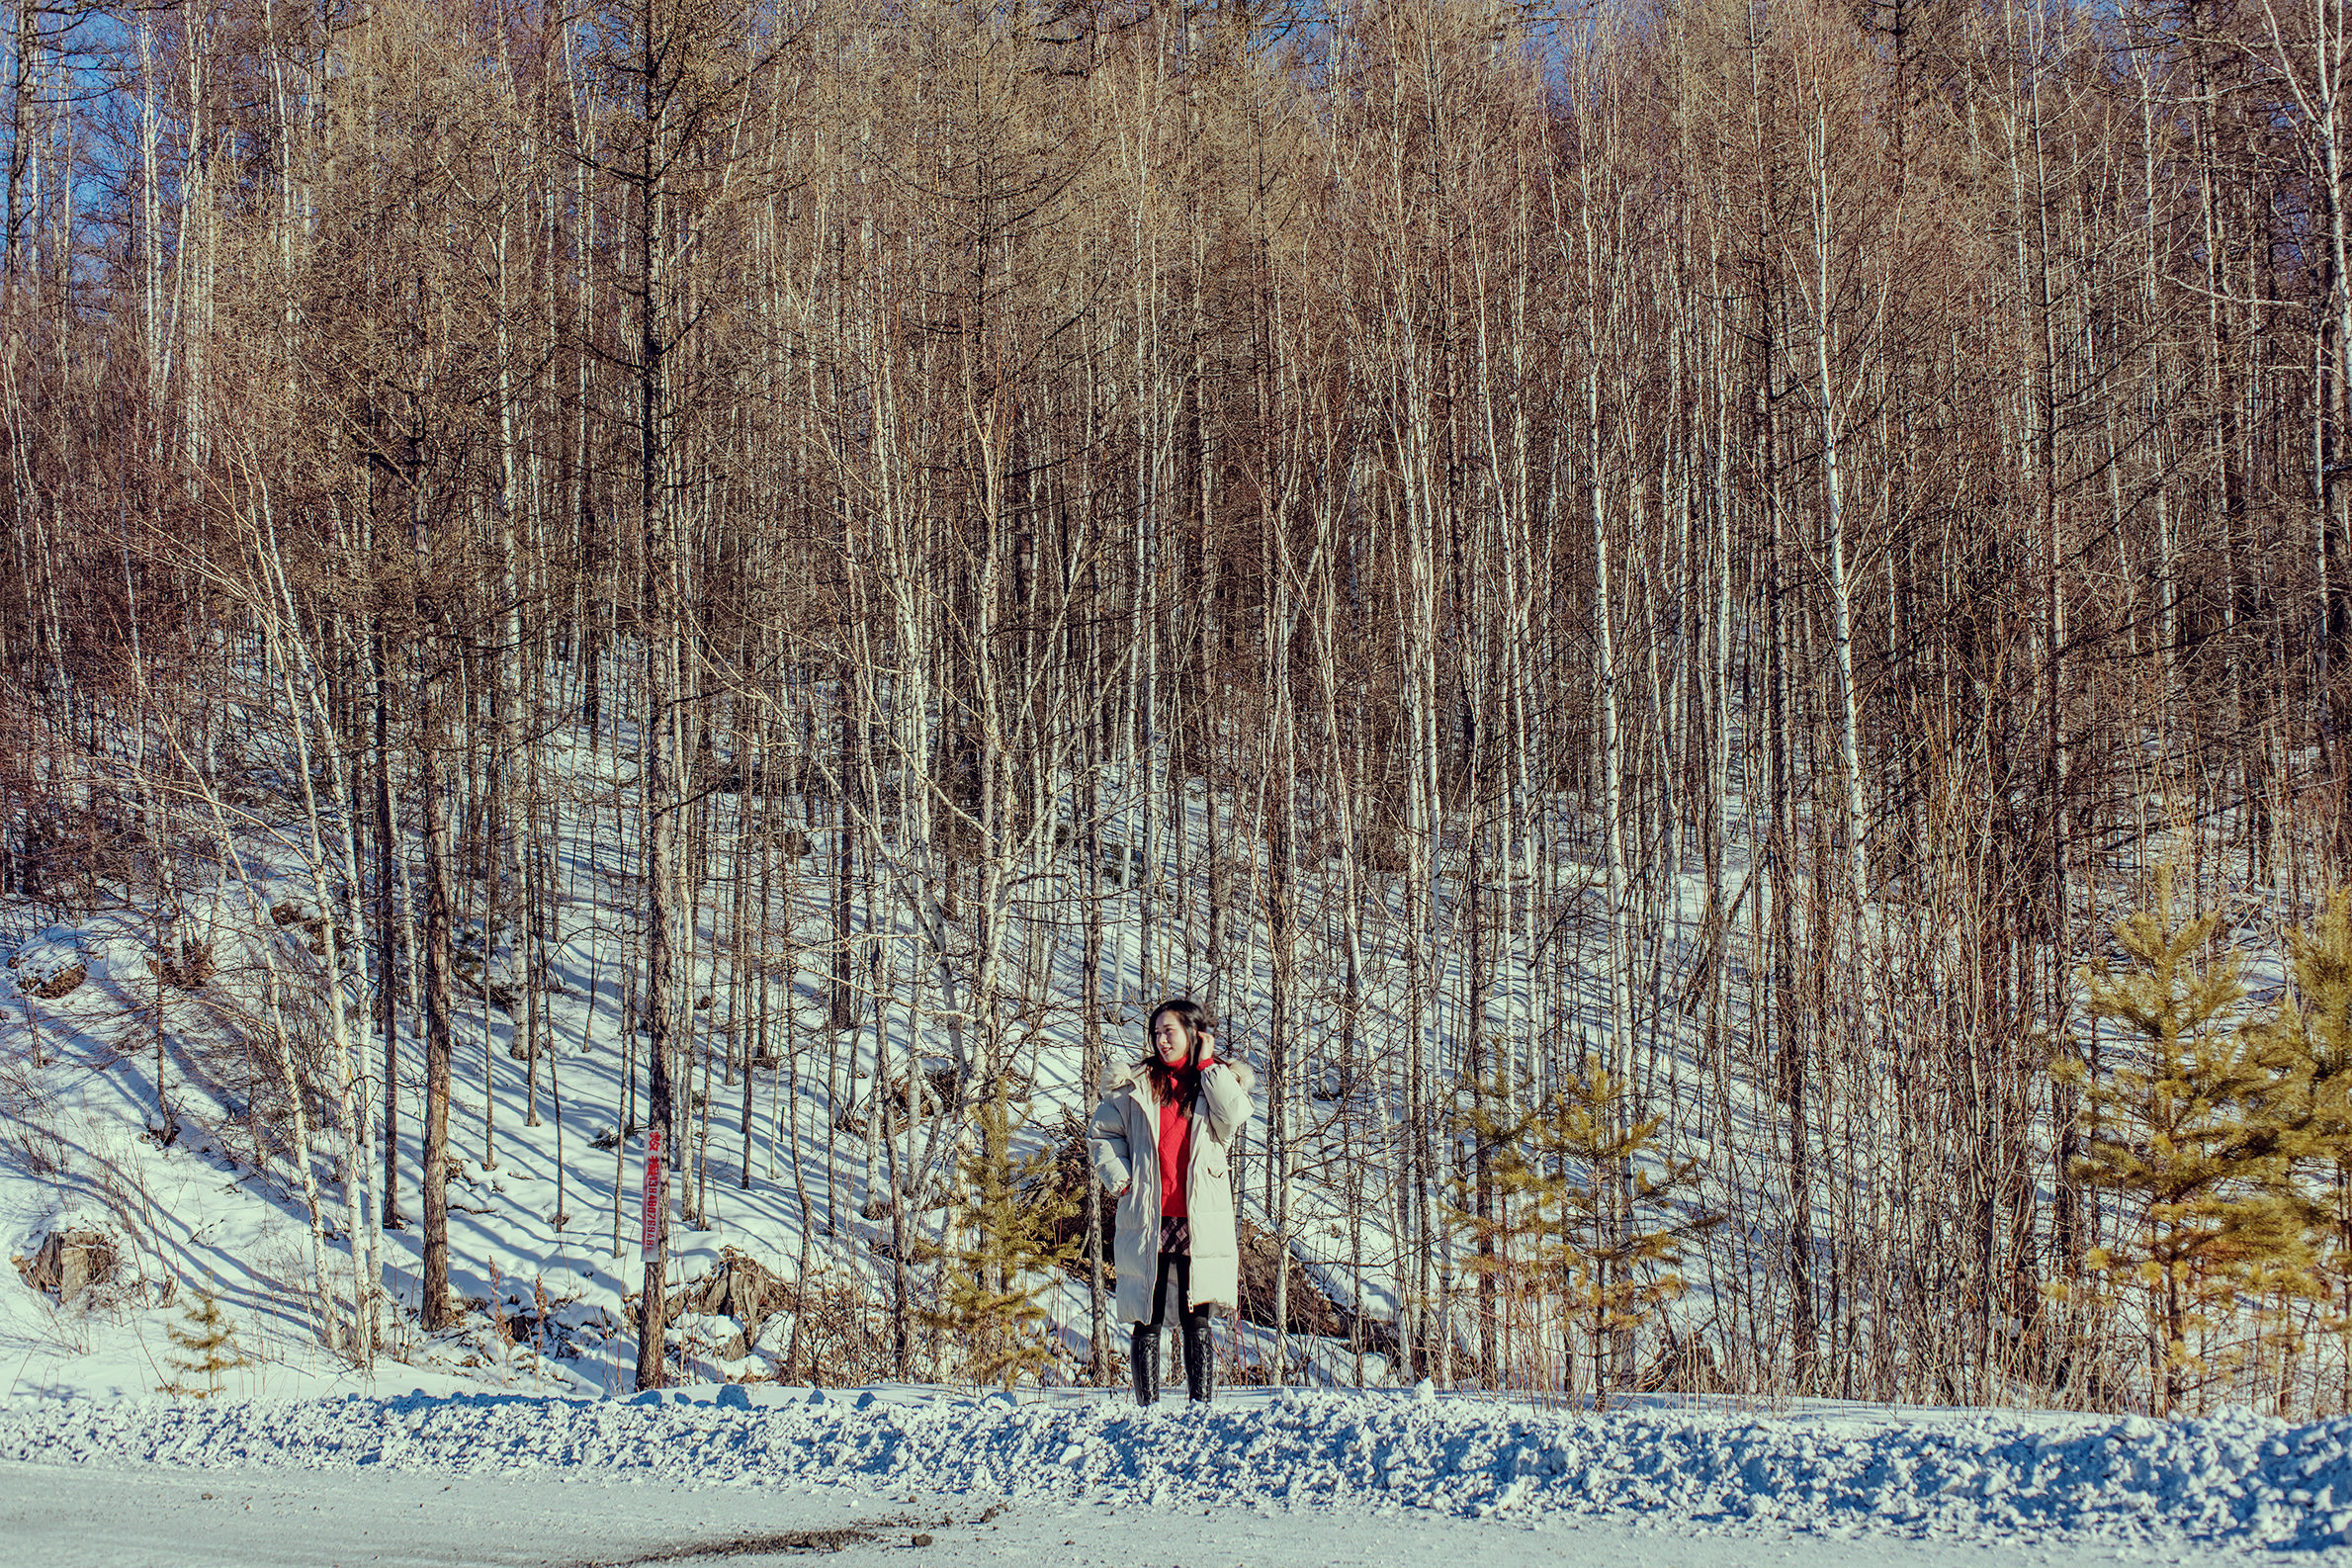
column 110, row 1517
column 1282, row 1477
column 490, row 1443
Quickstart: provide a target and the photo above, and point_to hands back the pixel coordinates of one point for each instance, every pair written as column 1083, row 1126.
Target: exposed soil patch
column 780, row 1545
column 767, row 1543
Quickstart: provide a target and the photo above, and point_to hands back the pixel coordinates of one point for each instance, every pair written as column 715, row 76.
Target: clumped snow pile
column 49, row 966
column 2232, row 1478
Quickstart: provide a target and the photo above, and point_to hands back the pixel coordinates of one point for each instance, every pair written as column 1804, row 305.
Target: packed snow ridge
column 2232, row 1478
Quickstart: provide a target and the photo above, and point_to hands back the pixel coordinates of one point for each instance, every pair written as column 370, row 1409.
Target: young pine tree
column 1006, row 1255
column 2186, row 1124
column 1519, row 1233
column 2311, row 1029
column 1631, row 1210
column 1582, row 1187
column 207, row 1345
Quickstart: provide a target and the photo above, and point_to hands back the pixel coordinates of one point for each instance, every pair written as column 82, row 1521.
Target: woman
column 1159, row 1142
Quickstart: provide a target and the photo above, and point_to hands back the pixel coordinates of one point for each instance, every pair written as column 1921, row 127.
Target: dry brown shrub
column 190, row 971
column 1684, row 1365
column 62, row 984
column 843, row 1334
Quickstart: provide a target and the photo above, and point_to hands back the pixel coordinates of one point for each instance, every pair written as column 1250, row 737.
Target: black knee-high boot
column 1143, row 1360
column 1200, row 1368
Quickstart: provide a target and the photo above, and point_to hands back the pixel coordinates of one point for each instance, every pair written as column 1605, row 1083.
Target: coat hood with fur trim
column 1132, row 1076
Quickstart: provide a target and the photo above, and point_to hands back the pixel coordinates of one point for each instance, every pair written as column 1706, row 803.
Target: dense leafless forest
column 1692, row 554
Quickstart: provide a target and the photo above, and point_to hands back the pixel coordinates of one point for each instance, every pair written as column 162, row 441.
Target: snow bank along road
column 1823, row 1473
column 157, row 1517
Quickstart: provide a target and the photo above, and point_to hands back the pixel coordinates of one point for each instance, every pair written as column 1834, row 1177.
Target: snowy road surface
column 1084, row 1480
column 171, row 1516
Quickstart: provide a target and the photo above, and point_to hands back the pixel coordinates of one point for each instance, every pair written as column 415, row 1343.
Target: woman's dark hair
column 1179, row 1083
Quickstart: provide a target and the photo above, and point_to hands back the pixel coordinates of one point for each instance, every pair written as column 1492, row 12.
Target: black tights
column 1172, row 1296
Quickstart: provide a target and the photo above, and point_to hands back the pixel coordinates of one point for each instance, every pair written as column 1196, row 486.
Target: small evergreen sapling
column 1631, row 1208
column 1584, row 1188
column 1520, row 1235
column 2185, row 1125
column 207, row 1345
column 1006, row 1255
column 2312, row 1027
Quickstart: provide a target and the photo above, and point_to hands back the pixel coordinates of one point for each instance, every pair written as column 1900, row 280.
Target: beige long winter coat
column 1124, row 1142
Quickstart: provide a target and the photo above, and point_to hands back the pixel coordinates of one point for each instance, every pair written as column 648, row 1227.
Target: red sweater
column 1176, row 1158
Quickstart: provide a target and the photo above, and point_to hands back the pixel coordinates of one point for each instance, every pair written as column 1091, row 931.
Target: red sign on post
column 650, row 1245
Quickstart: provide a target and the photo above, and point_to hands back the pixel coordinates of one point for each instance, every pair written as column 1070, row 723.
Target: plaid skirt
column 1176, row 1234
